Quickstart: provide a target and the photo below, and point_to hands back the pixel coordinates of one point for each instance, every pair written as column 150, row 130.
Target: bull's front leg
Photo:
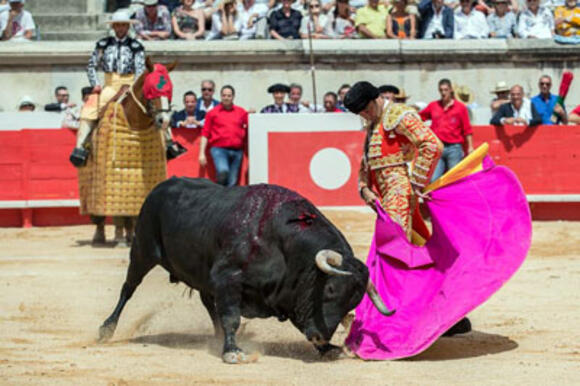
column 228, row 297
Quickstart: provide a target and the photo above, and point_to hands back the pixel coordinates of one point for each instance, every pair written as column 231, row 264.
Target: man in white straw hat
column 502, row 95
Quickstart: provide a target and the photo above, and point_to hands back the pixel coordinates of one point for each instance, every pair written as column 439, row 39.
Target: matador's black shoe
column 461, row 327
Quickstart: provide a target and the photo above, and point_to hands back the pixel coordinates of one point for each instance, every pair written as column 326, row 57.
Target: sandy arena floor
column 56, row 290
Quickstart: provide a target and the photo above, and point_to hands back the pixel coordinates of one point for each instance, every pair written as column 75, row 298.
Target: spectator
column 546, row 103
column 26, row 104
column 279, row 92
column 501, row 92
column 341, row 21
column 388, row 91
column 153, row 21
column 315, row 22
column 436, row 20
column 469, row 23
column 16, row 24
column 341, row 93
column 171, row 5
column 536, row 22
column 207, row 102
column 400, row 23
column 285, row 22
column 62, row 96
column 329, row 100
column 574, row 117
column 186, row 118
column 519, row 111
column 188, row 23
column 226, row 23
column 225, row 130
column 401, row 97
column 450, row 123
column 567, row 19
column 295, row 97
column 371, row 21
column 72, row 115
column 502, row 22
column 252, row 15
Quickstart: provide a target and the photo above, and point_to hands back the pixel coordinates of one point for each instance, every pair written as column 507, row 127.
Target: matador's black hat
column 389, row 88
column 359, row 96
column 278, row 87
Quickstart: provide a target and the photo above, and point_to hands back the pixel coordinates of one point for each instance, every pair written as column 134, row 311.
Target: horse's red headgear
column 157, row 83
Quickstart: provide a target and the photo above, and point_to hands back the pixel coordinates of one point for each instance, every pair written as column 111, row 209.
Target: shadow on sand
column 88, row 243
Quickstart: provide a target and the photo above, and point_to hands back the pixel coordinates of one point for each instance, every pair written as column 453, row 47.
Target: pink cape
column 481, row 235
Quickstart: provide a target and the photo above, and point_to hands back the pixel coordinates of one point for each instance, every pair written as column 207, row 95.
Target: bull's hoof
column 235, row 357
column 106, row 332
column 461, row 327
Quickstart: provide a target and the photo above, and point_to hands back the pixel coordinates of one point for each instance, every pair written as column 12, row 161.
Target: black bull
column 254, row 251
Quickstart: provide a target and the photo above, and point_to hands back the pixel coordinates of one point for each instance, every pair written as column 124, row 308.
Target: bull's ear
column 149, row 64
column 171, row 66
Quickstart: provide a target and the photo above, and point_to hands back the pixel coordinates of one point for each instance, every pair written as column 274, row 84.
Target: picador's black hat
column 389, row 88
column 278, row 87
column 359, row 96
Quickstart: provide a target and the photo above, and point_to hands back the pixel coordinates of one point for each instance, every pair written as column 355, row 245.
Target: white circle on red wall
column 330, row 168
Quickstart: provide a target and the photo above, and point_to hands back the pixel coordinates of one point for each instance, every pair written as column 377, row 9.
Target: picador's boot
column 79, row 157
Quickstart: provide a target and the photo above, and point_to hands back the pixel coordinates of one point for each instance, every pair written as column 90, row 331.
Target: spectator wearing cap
column 207, row 102
column 371, row 20
column 502, row 22
column 341, row 93
column 252, row 15
column 574, row 117
column 535, row 22
column 16, row 24
column 436, row 20
column 188, row 23
column 295, row 98
column 225, row 131
column 153, row 21
column 62, row 101
column 26, row 104
column 567, row 20
column 502, row 92
column 279, row 92
column 400, row 23
column 519, row 110
column 469, row 23
column 285, row 22
column 388, row 91
column 186, row 118
column 450, row 123
column 315, row 23
column 341, row 21
column 401, row 97
column 546, row 103
column 329, row 100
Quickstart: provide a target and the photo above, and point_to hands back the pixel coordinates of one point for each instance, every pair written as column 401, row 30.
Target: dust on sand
column 57, row 290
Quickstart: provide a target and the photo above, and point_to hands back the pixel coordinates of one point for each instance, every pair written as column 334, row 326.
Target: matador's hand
column 369, row 198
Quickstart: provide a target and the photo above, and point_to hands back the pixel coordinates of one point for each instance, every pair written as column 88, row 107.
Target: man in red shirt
column 225, row 130
column 450, row 123
column 574, row 117
column 330, row 100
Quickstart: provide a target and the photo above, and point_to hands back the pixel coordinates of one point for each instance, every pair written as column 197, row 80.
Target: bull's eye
column 330, row 291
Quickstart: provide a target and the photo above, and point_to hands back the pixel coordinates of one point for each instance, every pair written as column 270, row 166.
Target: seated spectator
column 574, row 117
column 295, row 98
column 188, row 23
column 436, row 20
column 502, row 22
column 401, row 24
column 285, row 22
column 315, row 22
column 484, row 6
column 502, row 93
column 341, row 21
column 279, row 92
column 519, row 111
column 535, row 22
column 547, row 105
column 62, row 101
column 567, row 19
column 341, row 93
column 226, row 23
column 186, row 118
column 388, row 92
column 401, row 97
column 72, row 115
column 26, row 104
column 469, row 23
column 371, row 21
column 329, row 101
column 153, row 21
column 207, row 102
column 16, row 24
column 252, row 14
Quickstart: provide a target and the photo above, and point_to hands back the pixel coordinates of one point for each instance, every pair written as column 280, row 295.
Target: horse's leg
column 99, row 236
column 130, row 228
column 119, row 222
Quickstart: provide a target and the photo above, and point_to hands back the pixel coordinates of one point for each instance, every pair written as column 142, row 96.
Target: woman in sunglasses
column 315, row 23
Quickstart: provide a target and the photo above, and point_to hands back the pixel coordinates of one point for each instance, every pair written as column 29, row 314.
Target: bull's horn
column 327, row 259
column 376, row 299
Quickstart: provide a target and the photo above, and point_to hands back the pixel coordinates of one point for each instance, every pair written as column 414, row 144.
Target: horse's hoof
column 234, row 357
column 121, row 243
column 106, row 332
column 99, row 238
